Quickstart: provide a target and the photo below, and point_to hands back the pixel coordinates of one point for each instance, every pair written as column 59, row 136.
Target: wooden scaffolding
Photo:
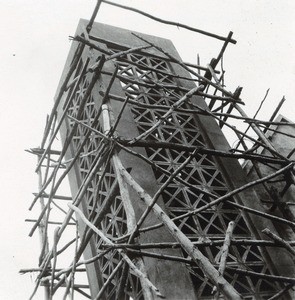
column 160, row 205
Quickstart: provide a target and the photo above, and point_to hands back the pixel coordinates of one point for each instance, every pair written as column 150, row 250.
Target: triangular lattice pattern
column 159, row 87
column 114, row 223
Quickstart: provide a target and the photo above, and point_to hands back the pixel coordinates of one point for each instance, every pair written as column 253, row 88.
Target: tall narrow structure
column 150, row 170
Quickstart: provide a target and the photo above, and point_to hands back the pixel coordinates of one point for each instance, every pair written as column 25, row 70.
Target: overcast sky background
column 34, row 46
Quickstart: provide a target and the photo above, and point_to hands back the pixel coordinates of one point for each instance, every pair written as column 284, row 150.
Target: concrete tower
column 153, row 173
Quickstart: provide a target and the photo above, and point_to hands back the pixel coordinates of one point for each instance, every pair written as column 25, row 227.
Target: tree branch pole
column 164, row 171
column 68, row 141
column 43, row 235
column 124, row 256
column 54, row 254
column 171, row 22
column 264, row 276
column 202, row 261
column 224, row 254
column 236, row 191
column 31, row 270
column 199, row 150
column 91, row 21
column 279, row 240
column 119, row 54
column 282, row 292
column 275, row 130
column 244, row 242
column 103, row 209
column 61, row 91
column 168, row 113
column 232, row 193
column 260, row 134
column 71, row 282
column 263, row 144
column 65, row 107
column 119, row 45
column 58, row 183
column 175, row 60
column 48, row 208
column 126, row 199
column 68, row 269
column 109, row 280
column 276, row 111
column 83, row 102
column 267, row 91
column 156, row 196
column 77, row 200
column 262, row 214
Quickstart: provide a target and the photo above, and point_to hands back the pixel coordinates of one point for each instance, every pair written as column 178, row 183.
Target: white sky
column 34, row 45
